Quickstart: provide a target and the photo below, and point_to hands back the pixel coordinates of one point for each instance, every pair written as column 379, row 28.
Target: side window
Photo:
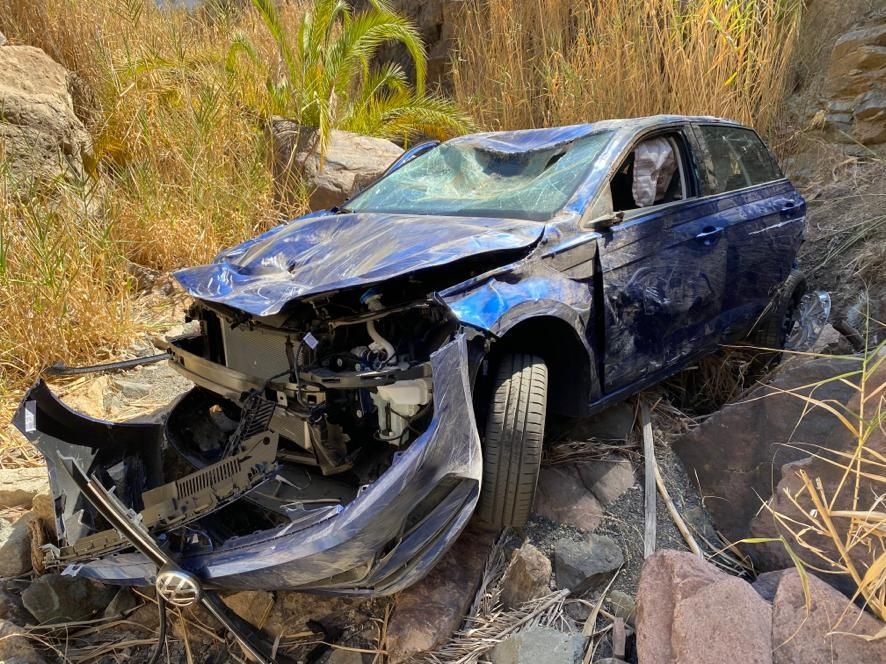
column 652, row 174
column 735, row 158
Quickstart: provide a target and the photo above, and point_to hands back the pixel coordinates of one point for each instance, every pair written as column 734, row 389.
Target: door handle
column 709, row 235
column 788, row 205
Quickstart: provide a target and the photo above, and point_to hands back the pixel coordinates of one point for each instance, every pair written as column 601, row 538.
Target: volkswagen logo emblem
column 178, row 588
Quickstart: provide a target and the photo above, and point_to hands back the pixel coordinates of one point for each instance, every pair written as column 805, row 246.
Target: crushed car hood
column 320, row 254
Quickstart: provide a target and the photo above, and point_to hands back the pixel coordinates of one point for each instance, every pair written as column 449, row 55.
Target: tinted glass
column 464, row 178
column 735, row 158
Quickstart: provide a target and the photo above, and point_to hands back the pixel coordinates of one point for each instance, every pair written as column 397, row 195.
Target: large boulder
column 40, row 136
column 16, row 647
column 351, row 162
column 15, row 546
column 855, row 83
column 736, row 452
column 831, row 630
column 689, row 611
column 842, row 491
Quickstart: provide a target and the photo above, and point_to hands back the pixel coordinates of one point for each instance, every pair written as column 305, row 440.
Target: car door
column 762, row 214
column 663, row 271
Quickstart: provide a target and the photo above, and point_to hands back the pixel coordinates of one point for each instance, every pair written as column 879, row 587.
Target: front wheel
column 512, row 445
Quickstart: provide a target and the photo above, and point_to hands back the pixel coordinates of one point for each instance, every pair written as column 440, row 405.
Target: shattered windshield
column 470, row 177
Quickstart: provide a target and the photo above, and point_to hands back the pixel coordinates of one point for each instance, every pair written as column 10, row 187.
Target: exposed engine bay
column 296, row 414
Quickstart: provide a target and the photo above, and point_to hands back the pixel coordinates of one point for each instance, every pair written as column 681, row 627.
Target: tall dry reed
column 550, row 62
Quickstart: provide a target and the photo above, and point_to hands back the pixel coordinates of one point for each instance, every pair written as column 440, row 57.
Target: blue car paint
column 643, row 297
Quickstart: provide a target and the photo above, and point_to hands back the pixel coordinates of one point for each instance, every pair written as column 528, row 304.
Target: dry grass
column 545, row 62
column 180, row 172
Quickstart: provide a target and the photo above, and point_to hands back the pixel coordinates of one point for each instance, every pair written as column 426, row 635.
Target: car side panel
column 764, row 227
column 664, row 277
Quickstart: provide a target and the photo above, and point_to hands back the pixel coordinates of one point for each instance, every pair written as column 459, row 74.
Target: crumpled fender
column 498, row 301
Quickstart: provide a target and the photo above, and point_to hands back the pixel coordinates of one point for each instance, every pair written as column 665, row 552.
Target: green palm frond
column 405, row 115
column 330, row 80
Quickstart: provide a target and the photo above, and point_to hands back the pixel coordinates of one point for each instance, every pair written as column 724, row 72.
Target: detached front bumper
column 369, row 546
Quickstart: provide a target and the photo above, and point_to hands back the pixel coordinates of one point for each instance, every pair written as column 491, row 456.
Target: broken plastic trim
column 129, row 525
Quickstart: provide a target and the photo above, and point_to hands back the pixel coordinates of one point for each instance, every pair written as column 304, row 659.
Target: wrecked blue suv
column 370, row 377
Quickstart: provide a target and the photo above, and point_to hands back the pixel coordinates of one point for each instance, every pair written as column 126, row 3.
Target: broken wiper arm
column 60, row 369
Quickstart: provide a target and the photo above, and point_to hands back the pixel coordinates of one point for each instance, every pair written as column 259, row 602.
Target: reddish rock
column 689, row 611
column 561, row 496
column 527, row 577
column 426, row 614
column 735, row 452
column 841, row 495
column 608, row 478
column 830, row 632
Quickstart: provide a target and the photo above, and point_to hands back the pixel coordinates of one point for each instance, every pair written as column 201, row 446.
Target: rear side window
column 735, row 158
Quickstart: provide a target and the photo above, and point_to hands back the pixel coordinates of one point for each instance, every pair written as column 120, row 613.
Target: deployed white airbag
column 654, row 166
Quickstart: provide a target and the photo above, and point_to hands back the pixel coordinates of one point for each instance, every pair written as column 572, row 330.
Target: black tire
column 773, row 330
column 512, row 444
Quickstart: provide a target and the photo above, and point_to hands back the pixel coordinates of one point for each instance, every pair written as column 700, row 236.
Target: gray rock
column 352, row 161
column 614, row 423
column 56, row 598
column 583, row 565
column 610, row 660
column 132, row 389
column 43, row 138
column 831, row 342
column 608, row 478
column 539, row 645
column 15, row 647
column 342, row 656
column 11, row 607
column 15, row 546
column 767, row 584
column 623, row 606
column 18, row 486
column 124, row 601
column 253, row 606
column 791, row 501
column 527, row 576
column 562, row 497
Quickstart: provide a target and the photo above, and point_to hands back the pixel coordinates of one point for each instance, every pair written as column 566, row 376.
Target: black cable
column 59, row 369
column 161, row 637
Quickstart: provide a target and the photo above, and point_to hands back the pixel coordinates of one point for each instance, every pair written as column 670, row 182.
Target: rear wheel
column 772, row 332
column 512, row 445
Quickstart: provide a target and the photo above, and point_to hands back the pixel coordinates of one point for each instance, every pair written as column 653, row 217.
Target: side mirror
column 606, row 221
